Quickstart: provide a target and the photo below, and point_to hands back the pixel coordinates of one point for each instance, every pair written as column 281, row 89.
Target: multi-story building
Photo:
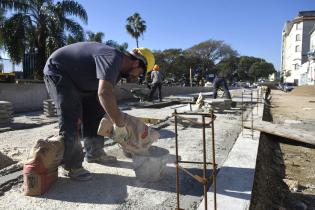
column 296, row 45
column 308, row 68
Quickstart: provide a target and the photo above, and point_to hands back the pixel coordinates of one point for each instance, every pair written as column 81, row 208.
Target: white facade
column 309, row 66
column 296, row 42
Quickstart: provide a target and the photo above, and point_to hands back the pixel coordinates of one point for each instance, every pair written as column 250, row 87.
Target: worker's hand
column 120, row 133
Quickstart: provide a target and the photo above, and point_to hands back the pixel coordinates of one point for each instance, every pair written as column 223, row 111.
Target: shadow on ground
column 112, row 188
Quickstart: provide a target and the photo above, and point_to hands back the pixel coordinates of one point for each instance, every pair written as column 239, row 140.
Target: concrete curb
column 236, row 176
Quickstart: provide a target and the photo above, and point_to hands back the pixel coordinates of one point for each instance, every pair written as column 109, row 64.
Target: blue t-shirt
column 85, row 63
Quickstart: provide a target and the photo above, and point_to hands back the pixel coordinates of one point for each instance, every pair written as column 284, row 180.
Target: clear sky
column 252, row 27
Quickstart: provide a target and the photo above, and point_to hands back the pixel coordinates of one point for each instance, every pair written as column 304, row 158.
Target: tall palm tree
column 39, row 26
column 2, row 19
column 135, row 26
column 95, row 37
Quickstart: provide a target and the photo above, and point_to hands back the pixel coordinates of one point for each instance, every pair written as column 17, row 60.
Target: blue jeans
column 153, row 89
column 220, row 82
column 79, row 114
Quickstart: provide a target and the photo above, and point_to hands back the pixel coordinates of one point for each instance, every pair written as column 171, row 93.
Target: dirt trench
column 284, row 176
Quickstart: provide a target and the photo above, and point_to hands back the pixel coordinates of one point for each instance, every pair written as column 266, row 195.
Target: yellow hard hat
column 156, row 67
column 145, row 55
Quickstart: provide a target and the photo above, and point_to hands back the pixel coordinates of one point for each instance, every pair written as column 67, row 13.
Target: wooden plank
column 283, row 131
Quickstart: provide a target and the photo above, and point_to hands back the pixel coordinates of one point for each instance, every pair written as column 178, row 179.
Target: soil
column 285, row 171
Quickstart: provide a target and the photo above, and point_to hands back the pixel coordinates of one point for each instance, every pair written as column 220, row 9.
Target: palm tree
column 39, row 26
column 135, row 26
column 95, row 37
column 122, row 47
column 2, row 19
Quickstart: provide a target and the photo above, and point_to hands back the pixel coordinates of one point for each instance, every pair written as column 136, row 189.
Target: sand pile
column 5, row 161
column 305, row 90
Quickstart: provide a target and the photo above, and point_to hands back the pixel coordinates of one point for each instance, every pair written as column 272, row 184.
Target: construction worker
column 156, row 78
column 218, row 82
column 80, row 79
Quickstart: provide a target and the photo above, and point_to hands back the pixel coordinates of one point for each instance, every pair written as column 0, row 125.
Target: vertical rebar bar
column 177, row 168
column 257, row 101
column 214, row 182
column 204, row 161
column 252, row 110
column 242, row 114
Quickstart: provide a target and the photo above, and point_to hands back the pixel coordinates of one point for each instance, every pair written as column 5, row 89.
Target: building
column 308, row 68
column 296, row 46
column 275, row 76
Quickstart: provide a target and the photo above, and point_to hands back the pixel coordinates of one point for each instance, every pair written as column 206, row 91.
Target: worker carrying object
column 156, row 78
column 80, row 79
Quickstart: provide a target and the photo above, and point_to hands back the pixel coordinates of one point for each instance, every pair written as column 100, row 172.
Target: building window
column 296, row 66
column 298, row 37
column 298, row 26
column 298, row 48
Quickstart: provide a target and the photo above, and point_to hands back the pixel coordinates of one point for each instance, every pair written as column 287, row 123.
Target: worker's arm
column 108, row 102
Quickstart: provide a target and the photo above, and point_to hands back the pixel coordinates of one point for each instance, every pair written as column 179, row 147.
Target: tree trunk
column 41, row 56
column 137, row 43
column 40, row 64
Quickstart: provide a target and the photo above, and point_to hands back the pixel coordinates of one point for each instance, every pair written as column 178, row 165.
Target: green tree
column 245, row 63
column 71, row 39
column 2, row 20
column 135, row 26
column 122, row 47
column 228, row 68
column 39, row 26
column 95, row 37
column 261, row 69
column 177, row 62
column 213, row 50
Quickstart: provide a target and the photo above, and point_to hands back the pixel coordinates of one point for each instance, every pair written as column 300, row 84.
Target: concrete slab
column 236, row 176
column 116, row 186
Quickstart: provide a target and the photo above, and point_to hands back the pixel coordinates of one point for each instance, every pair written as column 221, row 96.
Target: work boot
column 102, row 159
column 78, row 174
column 127, row 154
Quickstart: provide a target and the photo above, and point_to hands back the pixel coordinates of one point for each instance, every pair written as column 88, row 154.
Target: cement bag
column 41, row 169
column 141, row 136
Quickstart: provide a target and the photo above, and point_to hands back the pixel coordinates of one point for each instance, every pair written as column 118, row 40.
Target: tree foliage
column 40, row 26
column 122, row 47
column 213, row 50
column 175, row 63
column 228, row 68
column 95, row 36
column 261, row 69
column 135, row 26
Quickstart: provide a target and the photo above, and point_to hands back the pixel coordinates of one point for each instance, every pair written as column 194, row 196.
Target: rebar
column 252, row 110
column 203, row 180
column 257, row 101
column 242, row 114
column 204, row 161
column 177, row 168
column 214, row 182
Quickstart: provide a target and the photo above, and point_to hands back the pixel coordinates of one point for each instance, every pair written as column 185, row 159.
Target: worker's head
column 145, row 60
column 156, row 67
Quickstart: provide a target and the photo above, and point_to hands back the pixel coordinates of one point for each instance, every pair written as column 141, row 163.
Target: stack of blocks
column 49, row 108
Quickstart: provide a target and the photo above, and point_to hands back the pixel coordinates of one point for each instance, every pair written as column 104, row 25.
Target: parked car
column 280, row 86
column 288, row 86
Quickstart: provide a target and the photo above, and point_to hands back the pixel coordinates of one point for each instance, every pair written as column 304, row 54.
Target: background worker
column 156, row 78
column 80, row 79
column 219, row 81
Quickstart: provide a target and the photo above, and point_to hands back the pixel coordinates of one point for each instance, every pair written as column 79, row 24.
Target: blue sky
column 252, row 27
